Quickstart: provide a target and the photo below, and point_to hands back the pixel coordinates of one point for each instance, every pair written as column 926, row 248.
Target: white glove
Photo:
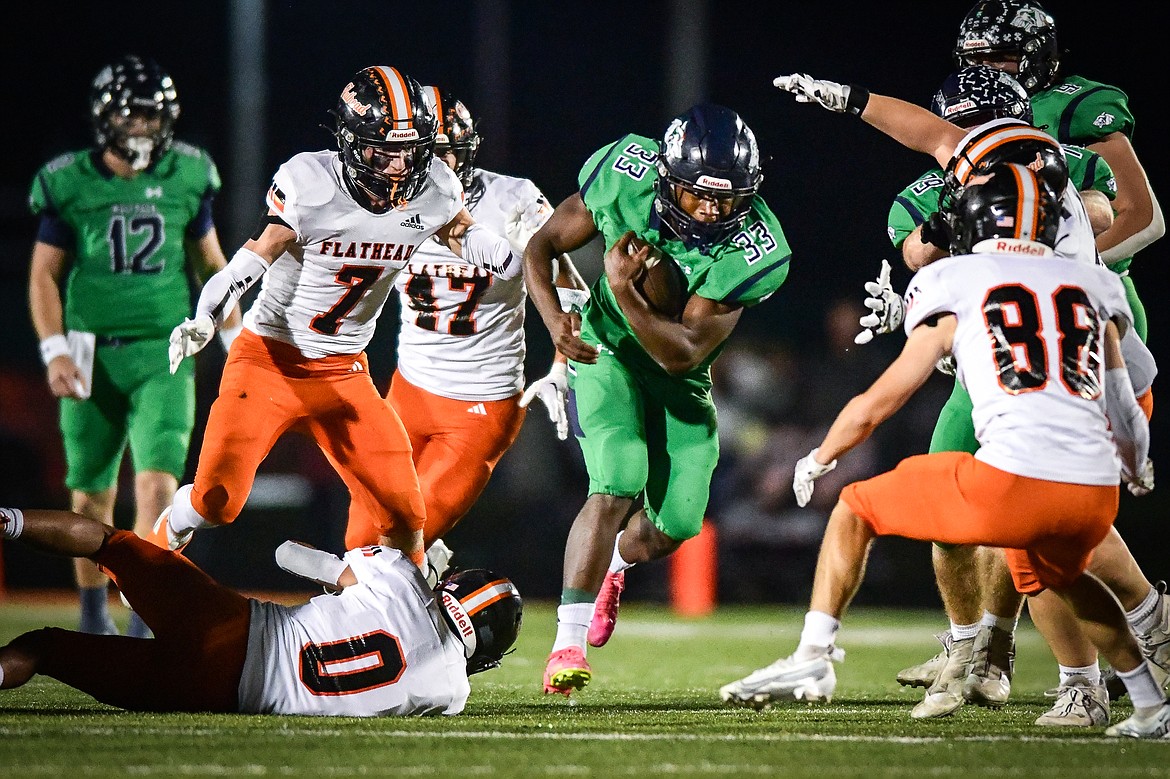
column 807, row 471
column 552, row 391
column 311, row 563
column 886, row 309
column 1143, row 483
column 522, row 224
column 572, row 300
column 189, row 337
column 833, row 96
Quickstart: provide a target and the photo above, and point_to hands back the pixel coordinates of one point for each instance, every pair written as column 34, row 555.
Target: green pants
column 134, row 400
column 634, row 445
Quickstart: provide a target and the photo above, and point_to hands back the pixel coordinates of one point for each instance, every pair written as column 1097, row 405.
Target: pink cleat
column 606, row 610
column 567, row 670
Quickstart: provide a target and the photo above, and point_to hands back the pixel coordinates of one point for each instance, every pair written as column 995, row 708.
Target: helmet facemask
column 134, row 106
column 366, row 167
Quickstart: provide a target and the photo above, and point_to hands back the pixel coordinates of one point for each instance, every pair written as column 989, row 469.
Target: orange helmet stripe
column 397, row 95
column 487, row 595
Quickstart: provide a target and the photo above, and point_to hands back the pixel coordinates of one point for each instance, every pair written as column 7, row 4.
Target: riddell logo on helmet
column 966, row 105
column 975, row 43
column 711, row 182
column 349, row 97
column 459, row 617
column 1011, row 246
column 403, row 135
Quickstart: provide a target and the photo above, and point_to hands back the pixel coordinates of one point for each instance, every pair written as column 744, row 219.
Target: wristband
column 53, row 347
column 856, row 100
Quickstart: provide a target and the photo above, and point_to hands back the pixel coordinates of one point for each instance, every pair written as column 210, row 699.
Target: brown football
column 662, row 284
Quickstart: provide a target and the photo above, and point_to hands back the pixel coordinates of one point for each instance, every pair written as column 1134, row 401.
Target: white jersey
column 327, row 300
column 1029, row 346
column 379, row 648
column 462, row 327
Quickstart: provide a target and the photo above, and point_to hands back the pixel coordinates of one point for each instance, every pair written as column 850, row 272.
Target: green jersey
column 914, row 204
column 128, row 276
column 618, row 185
column 1079, row 111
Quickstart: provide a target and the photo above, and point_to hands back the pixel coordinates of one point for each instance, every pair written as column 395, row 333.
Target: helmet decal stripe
column 396, row 93
column 487, row 595
column 974, row 151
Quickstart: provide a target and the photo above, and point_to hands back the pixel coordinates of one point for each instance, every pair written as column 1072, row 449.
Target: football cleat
column 924, row 674
column 163, row 537
column 606, row 611
column 1155, row 645
column 945, row 696
column 1079, row 704
column 787, row 679
column 567, row 670
column 992, row 664
column 1156, row 725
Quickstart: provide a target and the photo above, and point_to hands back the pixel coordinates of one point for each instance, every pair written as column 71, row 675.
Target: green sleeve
column 1088, row 170
column 913, row 206
column 42, row 195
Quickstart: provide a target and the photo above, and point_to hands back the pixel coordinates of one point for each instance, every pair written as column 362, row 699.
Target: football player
column 379, row 643
column 340, row 226
column 640, row 379
column 460, row 359
column 1037, row 344
column 118, row 223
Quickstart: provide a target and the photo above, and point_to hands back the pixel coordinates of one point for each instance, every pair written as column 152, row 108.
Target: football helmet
column 385, row 134
column 1016, row 204
column 1014, row 27
column 457, row 132
column 485, row 610
column 976, row 94
column 1004, row 140
column 710, row 153
column 134, row 87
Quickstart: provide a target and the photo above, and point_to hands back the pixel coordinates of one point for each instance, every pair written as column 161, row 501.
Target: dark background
column 556, row 82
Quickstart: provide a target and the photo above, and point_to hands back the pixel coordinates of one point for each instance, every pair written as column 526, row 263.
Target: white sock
column 1090, row 672
column 572, row 625
column 1145, row 617
column 12, row 523
column 617, row 563
column 963, row 632
column 820, row 632
column 1003, row 623
column 1144, row 692
column 183, row 516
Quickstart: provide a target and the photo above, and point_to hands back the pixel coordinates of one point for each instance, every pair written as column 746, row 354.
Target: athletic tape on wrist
column 53, row 347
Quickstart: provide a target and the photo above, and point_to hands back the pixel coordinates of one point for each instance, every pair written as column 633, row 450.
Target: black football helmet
column 1014, row 204
column 382, row 112
column 999, row 141
column 979, row 93
column 1017, row 27
column 457, row 132
column 711, row 153
column 133, row 87
column 485, row 610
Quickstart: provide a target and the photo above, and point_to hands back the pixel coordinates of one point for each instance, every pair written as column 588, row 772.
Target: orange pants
column 1048, row 529
column 456, row 445
column 267, row 388
column 195, row 659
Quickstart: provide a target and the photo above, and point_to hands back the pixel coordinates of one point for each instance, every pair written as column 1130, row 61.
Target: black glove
column 937, row 231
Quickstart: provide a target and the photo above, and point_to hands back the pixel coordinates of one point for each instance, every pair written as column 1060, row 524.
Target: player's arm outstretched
column 677, row 346
column 222, row 292
column 569, row 228
column 308, row 562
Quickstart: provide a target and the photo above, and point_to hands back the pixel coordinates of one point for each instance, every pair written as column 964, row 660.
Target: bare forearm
column 538, row 278
column 45, row 306
column 672, row 344
column 851, row 427
column 913, row 126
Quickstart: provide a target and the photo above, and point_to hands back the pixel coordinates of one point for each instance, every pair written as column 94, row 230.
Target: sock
column 136, row 628
column 11, row 522
column 1007, row 624
column 183, row 516
column 617, row 563
column 572, row 625
column 95, row 611
column 1090, row 672
column 1145, row 617
column 963, row 632
column 820, row 632
column 1144, row 692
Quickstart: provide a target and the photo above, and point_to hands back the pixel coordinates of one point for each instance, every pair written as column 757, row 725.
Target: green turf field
column 652, row 710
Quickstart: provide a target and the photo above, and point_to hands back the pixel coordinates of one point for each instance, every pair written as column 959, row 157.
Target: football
column 662, row 284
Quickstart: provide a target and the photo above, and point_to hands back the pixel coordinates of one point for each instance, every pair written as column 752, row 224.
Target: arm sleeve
column 224, row 289
column 1131, row 431
column 485, row 249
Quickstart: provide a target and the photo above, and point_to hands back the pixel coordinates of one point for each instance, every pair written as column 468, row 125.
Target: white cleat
column 945, row 695
column 1079, row 704
column 787, row 679
column 1155, row 725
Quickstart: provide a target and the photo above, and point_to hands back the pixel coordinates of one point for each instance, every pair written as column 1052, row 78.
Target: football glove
column 572, row 300
column 886, row 309
column 807, row 471
column 189, row 337
column 552, row 391
column 839, row 98
column 1143, row 483
column 311, row 563
column 522, row 223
